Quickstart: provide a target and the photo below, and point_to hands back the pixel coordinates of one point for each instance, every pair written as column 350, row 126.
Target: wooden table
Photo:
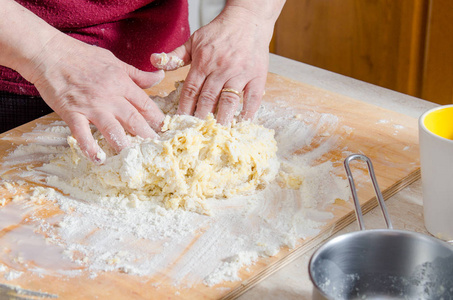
column 405, row 208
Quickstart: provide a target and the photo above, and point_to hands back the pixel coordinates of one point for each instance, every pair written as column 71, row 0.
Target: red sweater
column 131, row 29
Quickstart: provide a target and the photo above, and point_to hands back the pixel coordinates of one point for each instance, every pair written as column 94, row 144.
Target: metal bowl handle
column 358, row 209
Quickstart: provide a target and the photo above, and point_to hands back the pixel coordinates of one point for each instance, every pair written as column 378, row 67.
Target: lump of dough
column 192, row 160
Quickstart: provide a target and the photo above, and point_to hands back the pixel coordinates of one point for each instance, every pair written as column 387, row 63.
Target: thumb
column 144, row 79
column 177, row 58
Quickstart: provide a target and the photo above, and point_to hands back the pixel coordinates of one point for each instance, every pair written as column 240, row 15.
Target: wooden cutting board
column 388, row 138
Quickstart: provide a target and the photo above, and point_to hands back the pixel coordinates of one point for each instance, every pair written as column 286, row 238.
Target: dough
column 192, row 160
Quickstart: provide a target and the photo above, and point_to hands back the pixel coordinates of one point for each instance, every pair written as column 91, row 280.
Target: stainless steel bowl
column 381, row 263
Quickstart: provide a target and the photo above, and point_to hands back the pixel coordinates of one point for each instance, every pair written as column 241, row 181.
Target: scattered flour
column 117, row 231
column 11, row 275
column 228, row 270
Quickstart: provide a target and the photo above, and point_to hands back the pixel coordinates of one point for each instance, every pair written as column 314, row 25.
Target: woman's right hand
column 83, row 84
column 86, row 84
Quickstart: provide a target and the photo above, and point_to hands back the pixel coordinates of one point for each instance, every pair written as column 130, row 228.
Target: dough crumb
column 166, row 62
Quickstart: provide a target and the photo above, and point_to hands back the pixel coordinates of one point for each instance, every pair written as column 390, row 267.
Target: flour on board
column 118, row 231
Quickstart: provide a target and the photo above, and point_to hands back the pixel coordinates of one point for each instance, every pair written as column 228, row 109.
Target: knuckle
column 190, row 90
column 148, row 106
column 67, row 101
column 133, row 71
column 208, row 98
column 105, row 52
column 70, row 98
column 112, row 69
column 145, row 105
column 108, row 127
column 204, row 56
column 73, row 119
column 133, row 118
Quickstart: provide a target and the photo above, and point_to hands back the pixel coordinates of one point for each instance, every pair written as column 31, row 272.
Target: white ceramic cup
column 436, row 159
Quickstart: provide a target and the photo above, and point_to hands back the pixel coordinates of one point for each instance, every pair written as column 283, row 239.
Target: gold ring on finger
column 228, row 90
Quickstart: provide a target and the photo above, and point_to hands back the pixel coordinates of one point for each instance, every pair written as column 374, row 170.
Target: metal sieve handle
column 358, row 209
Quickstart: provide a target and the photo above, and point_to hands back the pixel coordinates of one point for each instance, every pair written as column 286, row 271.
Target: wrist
column 260, row 15
column 266, row 10
column 23, row 36
column 46, row 56
column 32, row 62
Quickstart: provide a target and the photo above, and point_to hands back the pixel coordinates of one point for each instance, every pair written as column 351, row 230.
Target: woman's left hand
column 229, row 59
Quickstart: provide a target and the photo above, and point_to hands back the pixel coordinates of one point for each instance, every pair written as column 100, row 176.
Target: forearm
column 23, row 38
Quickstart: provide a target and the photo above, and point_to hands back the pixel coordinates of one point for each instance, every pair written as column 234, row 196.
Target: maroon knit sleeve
column 131, row 29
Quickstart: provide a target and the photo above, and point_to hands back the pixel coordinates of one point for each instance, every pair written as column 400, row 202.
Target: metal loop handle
column 358, row 209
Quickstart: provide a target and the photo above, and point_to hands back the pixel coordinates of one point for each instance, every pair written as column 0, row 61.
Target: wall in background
column 403, row 45
column 438, row 64
column 201, row 12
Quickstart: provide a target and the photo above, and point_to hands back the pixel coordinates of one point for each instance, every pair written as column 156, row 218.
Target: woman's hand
column 228, row 57
column 86, row 84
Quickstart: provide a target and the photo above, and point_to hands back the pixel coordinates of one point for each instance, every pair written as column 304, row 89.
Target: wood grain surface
column 437, row 85
column 380, row 42
column 388, row 138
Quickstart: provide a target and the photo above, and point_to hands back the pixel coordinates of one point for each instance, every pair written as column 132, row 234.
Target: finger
column 135, row 123
column 147, row 108
column 171, row 61
column 228, row 103
column 253, row 94
column 143, row 79
column 209, row 96
column 80, row 128
column 190, row 92
column 112, row 131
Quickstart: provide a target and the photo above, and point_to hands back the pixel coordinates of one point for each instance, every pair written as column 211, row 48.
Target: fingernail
column 100, row 157
column 161, row 59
